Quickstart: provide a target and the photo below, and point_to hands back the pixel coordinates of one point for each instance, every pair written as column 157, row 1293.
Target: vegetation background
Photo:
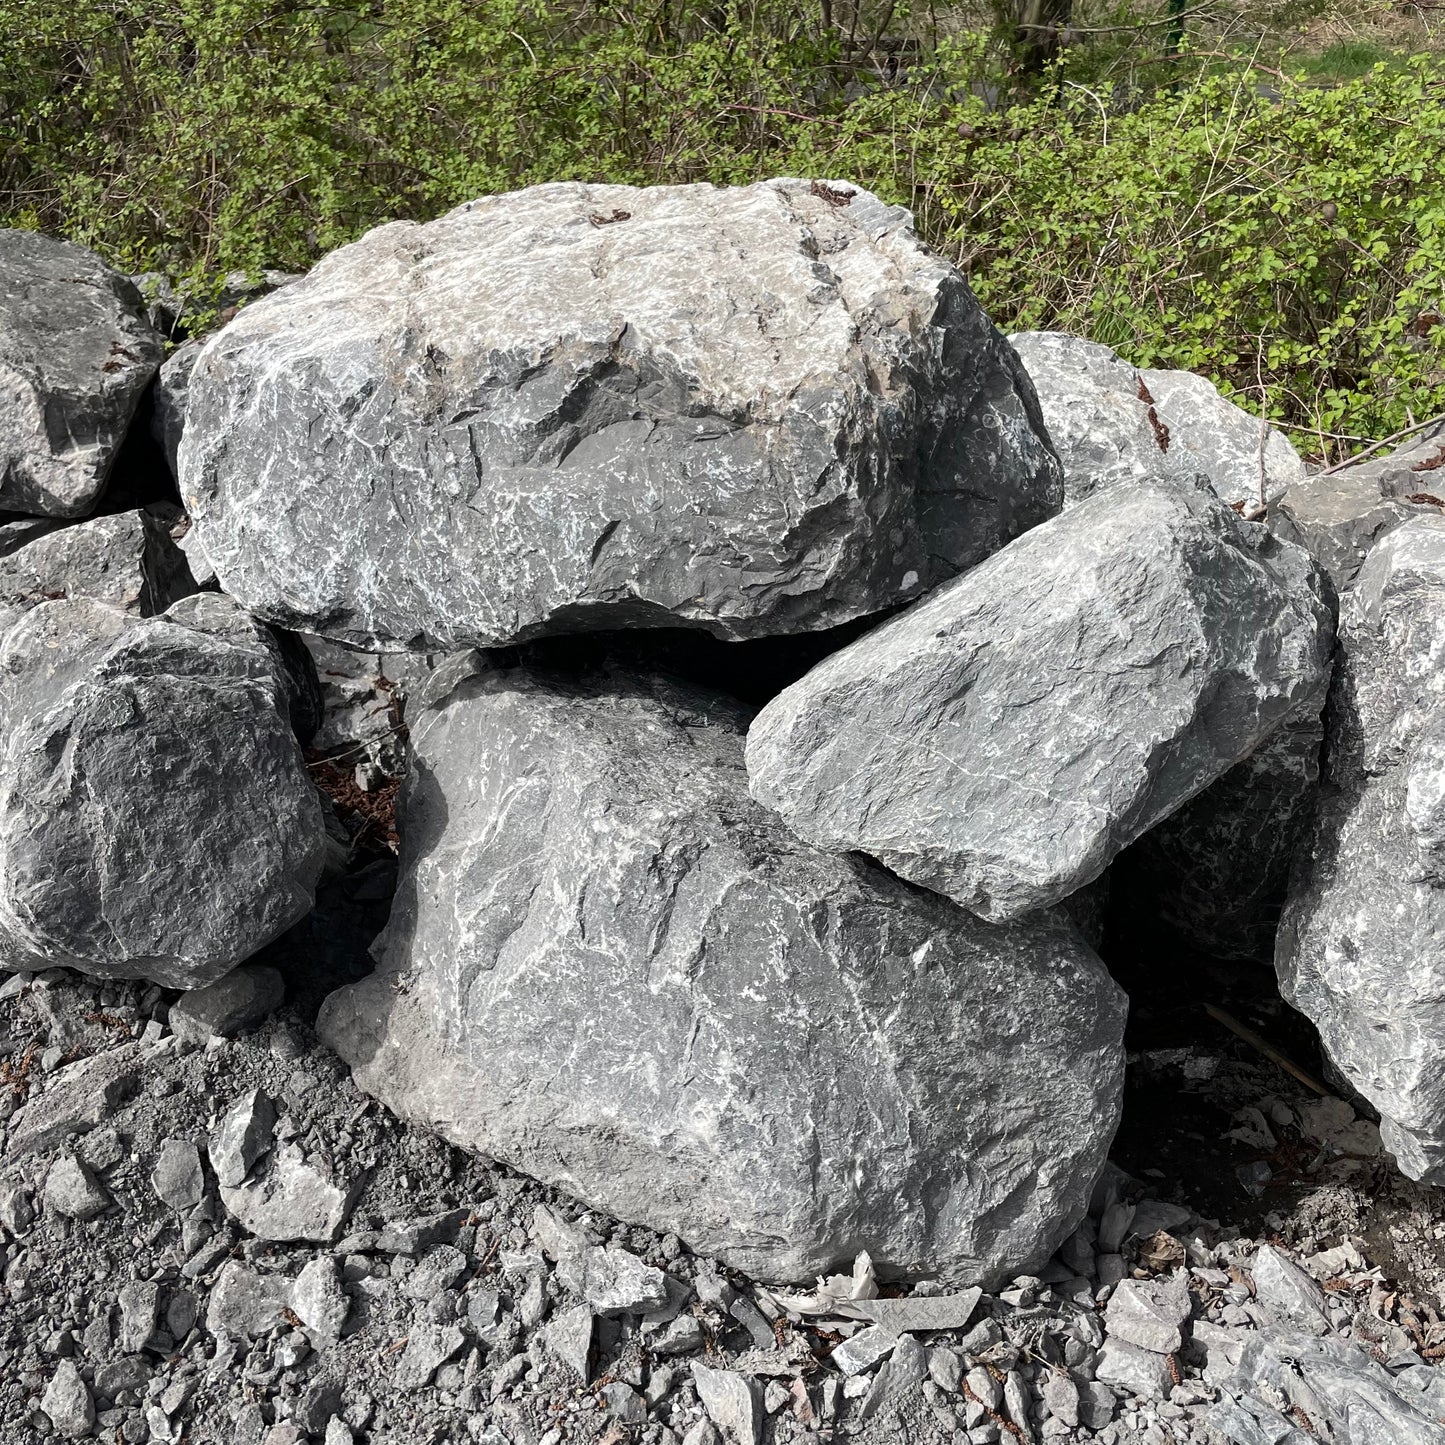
column 1253, row 191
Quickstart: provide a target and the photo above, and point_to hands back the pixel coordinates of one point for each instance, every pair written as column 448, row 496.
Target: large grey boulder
column 1001, row 741
column 611, row 969
column 156, row 816
column 1340, row 517
column 1110, row 421
column 76, row 352
column 751, row 410
column 126, row 559
column 1359, row 945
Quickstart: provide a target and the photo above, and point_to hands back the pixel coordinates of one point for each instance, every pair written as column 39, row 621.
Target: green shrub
column 1286, row 239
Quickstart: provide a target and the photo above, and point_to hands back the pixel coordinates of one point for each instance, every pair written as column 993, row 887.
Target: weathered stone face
column 1359, row 947
column 1111, row 422
column 1001, row 741
column 610, row 968
column 156, row 816
column 76, row 352
column 750, row 410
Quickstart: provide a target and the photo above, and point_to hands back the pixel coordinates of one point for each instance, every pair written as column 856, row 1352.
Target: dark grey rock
column 582, row 853
column 127, row 560
column 1111, row 422
column 750, row 409
column 157, row 819
column 1340, row 517
column 78, row 1098
column 1216, row 872
column 1358, row 944
column 240, row 1000
column 1001, row 741
column 76, row 352
column 67, row 1403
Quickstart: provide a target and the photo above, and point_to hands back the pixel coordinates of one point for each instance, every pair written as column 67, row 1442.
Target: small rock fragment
column 439, row 1269
column 67, row 1402
column 139, row 1301
column 921, row 1312
column 319, row 1300
column 292, row 1200
column 569, row 1338
column 177, row 1177
column 613, row 1281
column 864, row 1350
column 428, row 1348
column 624, row 1404
column 243, row 1137
column 1142, row 1372
column 71, row 1189
column 1149, row 1313
column 245, row 1303
column 1288, row 1293
column 733, row 1402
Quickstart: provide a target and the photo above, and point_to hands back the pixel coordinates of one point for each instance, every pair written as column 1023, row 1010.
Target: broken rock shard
column 584, row 851
column 744, row 409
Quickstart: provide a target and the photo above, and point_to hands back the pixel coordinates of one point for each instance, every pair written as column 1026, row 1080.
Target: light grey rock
column 1340, row 517
column 1112, row 422
column 613, row 1281
column 679, row 1336
column 239, row 1001
column 428, row 1348
column 156, row 816
column 580, row 852
column 1288, row 1294
column 139, row 1302
column 291, row 1199
column 1061, row 1396
column 1216, row 871
column 78, row 1098
column 168, row 399
column 440, row 1268
column 127, row 560
column 412, row 1236
column 569, row 1338
column 319, row 1300
column 1348, row 1397
column 244, row 1303
column 1096, row 1405
column 733, row 1403
column 860, row 1352
column 1149, row 1313
column 242, row 1137
column 920, row 1312
column 1141, row 1372
column 1358, row 944
column 67, row 1403
column 17, row 1208
column 71, row 1189
column 984, row 1387
column 177, row 1178
column 1001, row 741
column 747, row 409
column 76, row 352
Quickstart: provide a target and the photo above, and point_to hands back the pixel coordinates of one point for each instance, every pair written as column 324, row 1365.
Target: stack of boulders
column 789, row 984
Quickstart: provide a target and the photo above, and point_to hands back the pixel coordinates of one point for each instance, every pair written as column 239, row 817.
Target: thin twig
column 1267, row 1049
column 1115, row 29
column 1383, row 442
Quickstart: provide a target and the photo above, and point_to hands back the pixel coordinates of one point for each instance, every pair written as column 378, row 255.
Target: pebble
column 67, row 1402
column 72, row 1190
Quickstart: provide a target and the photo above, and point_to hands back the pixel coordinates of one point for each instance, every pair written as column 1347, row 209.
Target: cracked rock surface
column 1002, row 740
column 752, row 410
column 76, row 352
column 579, row 854
column 156, row 816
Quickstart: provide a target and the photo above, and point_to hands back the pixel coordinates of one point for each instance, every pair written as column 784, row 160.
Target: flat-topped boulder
column 76, row 352
column 752, row 410
column 156, row 816
column 1002, row 740
column 610, row 968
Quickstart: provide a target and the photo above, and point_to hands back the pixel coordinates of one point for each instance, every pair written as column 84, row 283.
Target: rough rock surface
column 1339, row 517
column 1359, row 942
column 752, row 410
column 127, row 559
column 76, row 352
column 1111, row 422
column 168, row 405
column 610, row 968
column 156, row 817
column 1004, row 739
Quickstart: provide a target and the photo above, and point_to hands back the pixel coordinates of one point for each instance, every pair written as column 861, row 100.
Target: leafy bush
column 1286, row 239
